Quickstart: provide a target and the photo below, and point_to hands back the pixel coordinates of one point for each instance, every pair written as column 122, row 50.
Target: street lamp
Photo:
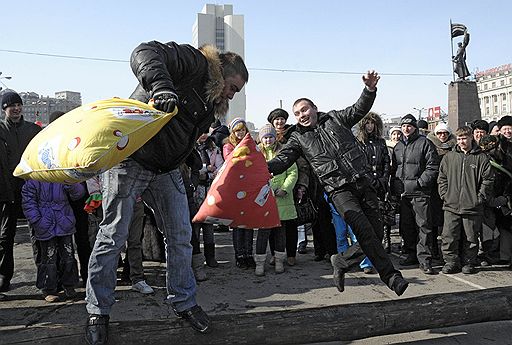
column 419, row 112
column 1, row 82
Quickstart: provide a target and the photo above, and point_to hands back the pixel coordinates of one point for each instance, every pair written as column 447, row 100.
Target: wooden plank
column 332, row 323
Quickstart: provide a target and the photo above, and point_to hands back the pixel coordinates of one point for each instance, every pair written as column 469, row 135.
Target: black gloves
column 165, row 100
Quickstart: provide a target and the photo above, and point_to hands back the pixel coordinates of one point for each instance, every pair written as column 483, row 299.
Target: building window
column 493, row 85
column 495, row 109
column 502, row 82
column 494, row 98
column 485, row 86
column 504, row 96
column 504, row 109
column 486, row 100
column 486, row 110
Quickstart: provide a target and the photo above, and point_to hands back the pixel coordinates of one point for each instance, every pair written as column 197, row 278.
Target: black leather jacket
column 330, row 148
column 184, row 70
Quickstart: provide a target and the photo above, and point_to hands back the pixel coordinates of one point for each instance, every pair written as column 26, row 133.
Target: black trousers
column 415, row 227
column 324, row 234
column 83, row 247
column 243, row 241
column 276, row 237
column 359, row 206
column 291, row 237
column 8, row 222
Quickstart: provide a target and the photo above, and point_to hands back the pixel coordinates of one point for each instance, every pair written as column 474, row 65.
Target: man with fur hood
column 200, row 82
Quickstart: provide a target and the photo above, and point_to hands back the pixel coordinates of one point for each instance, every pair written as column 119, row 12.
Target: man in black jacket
column 415, row 165
column 15, row 134
column 326, row 141
column 200, row 83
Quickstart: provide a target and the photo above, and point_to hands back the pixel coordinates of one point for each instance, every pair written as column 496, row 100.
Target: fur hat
column 235, row 122
column 267, row 130
column 394, row 128
column 409, row 119
column 278, row 112
column 480, row 124
column 442, row 127
column 10, row 98
column 505, row 121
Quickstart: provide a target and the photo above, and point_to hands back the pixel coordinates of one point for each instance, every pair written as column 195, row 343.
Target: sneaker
column 196, row 317
column 427, row 268
column 468, row 269
column 70, row 292
column 291, row 261
column 302, row 249
column 51, row 298
column 143, row 288
column 241, row 263
column 96, row 330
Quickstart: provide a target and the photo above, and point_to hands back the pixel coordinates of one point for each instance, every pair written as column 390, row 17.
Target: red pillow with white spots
column 240, row 195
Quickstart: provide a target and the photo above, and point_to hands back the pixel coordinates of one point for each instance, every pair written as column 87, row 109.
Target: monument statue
column 459, row 60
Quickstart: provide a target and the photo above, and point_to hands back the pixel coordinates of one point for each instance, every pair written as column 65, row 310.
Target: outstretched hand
column 370, row 79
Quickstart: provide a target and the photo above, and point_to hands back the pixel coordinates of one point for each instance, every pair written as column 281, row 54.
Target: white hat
column 442, row 127
column 395, row 128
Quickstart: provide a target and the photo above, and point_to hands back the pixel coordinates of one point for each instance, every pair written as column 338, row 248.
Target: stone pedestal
column 463, row 106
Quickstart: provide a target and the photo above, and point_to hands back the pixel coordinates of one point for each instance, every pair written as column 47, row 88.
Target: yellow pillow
column 90, row 140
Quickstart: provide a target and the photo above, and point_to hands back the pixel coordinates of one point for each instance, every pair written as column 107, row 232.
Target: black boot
column 240, row 262
column 398, row 284
column 96, row 330
column 209, row 254
column 249, row 260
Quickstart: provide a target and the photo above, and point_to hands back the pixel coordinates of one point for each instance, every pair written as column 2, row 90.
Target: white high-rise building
column 217, row 25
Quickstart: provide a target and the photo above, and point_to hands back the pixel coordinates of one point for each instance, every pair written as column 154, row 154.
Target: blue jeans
column 165, row 195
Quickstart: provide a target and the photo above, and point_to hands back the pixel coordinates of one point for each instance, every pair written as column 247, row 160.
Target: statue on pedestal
column 459, row 60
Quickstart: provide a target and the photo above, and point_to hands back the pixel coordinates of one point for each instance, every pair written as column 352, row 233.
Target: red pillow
column 240, row 195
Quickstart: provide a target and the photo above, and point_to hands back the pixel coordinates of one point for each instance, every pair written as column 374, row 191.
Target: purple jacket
column 46, row 206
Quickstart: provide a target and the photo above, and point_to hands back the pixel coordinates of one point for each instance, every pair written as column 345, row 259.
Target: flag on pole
column 458, row 29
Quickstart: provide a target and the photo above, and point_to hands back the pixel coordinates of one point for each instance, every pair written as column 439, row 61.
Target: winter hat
column 10, row 98
column 480, row 124
column 492, row 124
column 278, row 112
column 395, row 128
column 409, row 119
column 267, row 130
column 505, row 121
column 442, row 127
column 215, row 124
column 422, row 124
column 235, row 122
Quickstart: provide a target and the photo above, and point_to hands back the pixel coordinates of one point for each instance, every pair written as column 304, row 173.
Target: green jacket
column 285, row 181
column 465, row 181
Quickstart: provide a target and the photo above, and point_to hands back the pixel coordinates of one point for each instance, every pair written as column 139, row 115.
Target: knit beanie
column 395, row 128
column 442, row 127
column 267, row 130
column 505, row 121
column 235, row 122
column 409, row 119
column 480, row 124
column 422, row 124
column 278, row 112
column 10, row 98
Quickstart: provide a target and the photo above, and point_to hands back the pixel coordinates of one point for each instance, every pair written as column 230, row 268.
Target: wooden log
column 332, row 323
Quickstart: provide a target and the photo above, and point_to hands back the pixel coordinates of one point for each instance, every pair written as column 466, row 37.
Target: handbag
column 306, row 211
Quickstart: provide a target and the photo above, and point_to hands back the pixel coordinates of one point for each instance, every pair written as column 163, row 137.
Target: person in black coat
column 415, row 165
column 326, row 141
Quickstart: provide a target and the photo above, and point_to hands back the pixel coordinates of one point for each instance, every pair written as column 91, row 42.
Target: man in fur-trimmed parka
column 200, row 82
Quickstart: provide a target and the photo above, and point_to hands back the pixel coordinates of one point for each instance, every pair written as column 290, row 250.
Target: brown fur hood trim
column 215, row 84
column 379, row 126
